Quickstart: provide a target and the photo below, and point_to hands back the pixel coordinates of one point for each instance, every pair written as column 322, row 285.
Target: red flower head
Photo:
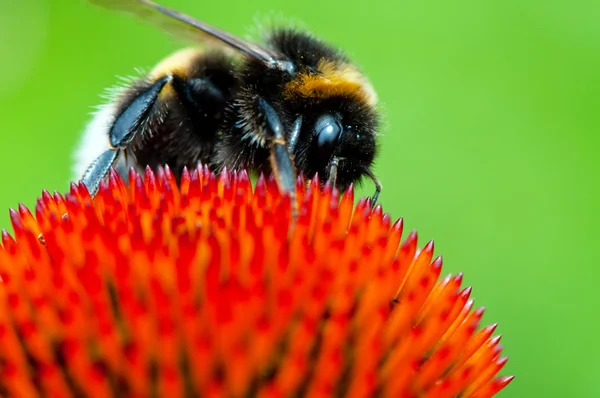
column 152, row 289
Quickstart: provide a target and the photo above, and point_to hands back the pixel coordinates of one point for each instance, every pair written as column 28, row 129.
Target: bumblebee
column 293, row 105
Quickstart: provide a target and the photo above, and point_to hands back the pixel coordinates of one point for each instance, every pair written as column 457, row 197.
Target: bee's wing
column 187, row 27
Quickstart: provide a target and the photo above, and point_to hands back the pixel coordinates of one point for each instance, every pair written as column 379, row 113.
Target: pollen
column 200, row 289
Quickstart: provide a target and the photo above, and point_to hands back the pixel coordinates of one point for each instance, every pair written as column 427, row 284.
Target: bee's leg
column 130, row 121
column 333, row 170
column 281, row 159
column 125, row 128
column 99, row 169
column 377, row 183
column 295, row 134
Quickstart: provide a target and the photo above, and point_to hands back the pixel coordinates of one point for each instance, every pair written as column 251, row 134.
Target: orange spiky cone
column 155, row 289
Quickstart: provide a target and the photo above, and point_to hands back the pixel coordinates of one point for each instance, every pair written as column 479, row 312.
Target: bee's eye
column 328, row 130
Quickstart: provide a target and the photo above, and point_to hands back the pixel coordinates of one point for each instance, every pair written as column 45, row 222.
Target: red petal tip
column 82, row 188
column 243, row 175
column 112, row 174
column 504, row 381
column 398, row 225
column 500, row 362
column 466, row 292
column 387, row 218
column 132, row 173
column 73, row 187
column 349, row 194
column 185, row 176
column 315, row 180
column 225, row 178
column 378, row 210
column 495, row 340
column 414, row 235
column 429, row 247
column 479, row 313
column 14, row 215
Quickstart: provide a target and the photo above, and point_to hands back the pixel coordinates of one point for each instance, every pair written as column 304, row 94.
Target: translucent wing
column 186, row 27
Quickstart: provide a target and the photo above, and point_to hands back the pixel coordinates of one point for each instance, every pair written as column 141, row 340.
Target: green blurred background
column 490, row 145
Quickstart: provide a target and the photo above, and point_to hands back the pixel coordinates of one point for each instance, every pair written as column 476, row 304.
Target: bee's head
column 327, row 108
column 337, row 133
column 339, row 116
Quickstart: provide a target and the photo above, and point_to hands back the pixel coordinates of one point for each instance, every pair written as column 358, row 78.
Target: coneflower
column 201, row 290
